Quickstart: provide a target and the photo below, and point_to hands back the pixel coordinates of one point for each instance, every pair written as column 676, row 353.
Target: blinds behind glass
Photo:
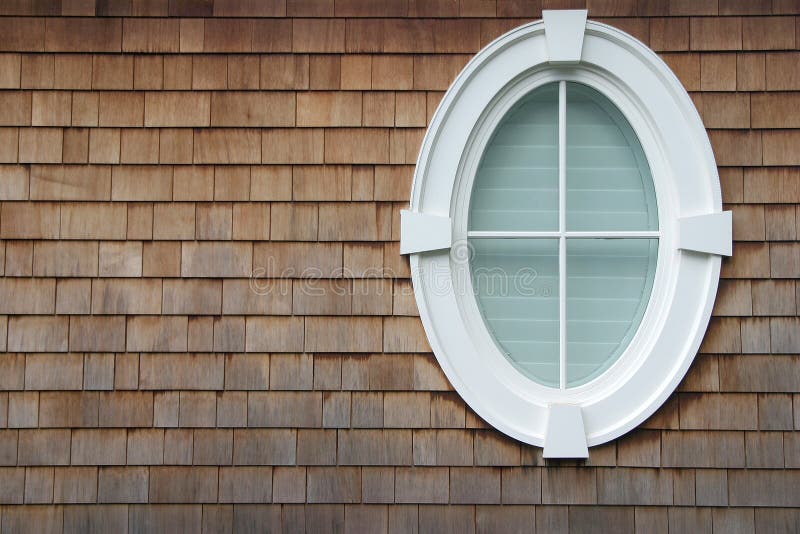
column 517, row 184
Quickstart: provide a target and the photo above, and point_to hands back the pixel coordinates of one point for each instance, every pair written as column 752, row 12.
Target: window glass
column 608, row 287
column 563, row 333
column 516, row 283
column 609, row 186
column 517, row 183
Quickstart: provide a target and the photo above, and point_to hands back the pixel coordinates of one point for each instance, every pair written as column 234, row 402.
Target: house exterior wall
column 205, row 321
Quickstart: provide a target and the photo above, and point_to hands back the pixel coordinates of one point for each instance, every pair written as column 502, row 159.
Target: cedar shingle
column 737, row 147
column 776, row 110
column 139, row 146
column 156, row 334
column 780, row 223
column 455, row 36
column 251, row 8
column 771, row 185
column 15, row 107
column 318, row 35
column 83, row 35
column 768, row 33
column 177, row 72
column 252, row 109
column 379, row 108
column 780, row 72
column 272, row 35
column 49, row 108
column 284, row 71
column 228, row 35
column 177, row 109
column 209, row 72
column 75, row 485
column 243, row 72
column 365, row 35
column 97, row 334
column 285, row 409
column 338, row 334
column 718, row 72
column 23, row 410
column 392, row 72
column 723, row 110
column 227, row 145
column 274, row 334
column 9, row 143
column 434, row 72
column 22, row 34
column 756, row 487
column 213, row 221
column 421, row 485
column 363, row 145
column 293, row 222
column 150, row 35
column 298, row 259
column 716, row 33
column 183, row 484
column 176, row 146
column 121, row 109
column 272, row 182
column 778, row 147
column 40, row 145
column 37, row 71
column 329, row 109
column 750, row 72
column 325, row 72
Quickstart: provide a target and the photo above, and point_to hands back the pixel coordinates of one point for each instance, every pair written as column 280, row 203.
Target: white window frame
column 693, row 232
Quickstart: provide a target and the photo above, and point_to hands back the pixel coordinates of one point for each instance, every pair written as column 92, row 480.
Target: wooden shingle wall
column 205, row 321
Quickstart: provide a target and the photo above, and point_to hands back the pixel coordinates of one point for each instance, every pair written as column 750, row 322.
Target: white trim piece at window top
column 693, row 231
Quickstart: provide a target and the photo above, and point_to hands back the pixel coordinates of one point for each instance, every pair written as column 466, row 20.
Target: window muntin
column 565, row 168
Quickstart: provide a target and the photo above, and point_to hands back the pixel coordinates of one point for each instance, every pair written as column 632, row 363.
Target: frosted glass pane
column 516, row 187
column 516, row 285
column 608, row 288
column 609, row 185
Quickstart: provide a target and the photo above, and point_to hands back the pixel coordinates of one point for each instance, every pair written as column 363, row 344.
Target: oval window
column 565, row 232
column 563, row 255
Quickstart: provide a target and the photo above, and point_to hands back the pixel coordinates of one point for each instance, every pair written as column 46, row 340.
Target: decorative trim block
column 420, row 232
column 564, row 31
column 566, row 435
column 711, row 233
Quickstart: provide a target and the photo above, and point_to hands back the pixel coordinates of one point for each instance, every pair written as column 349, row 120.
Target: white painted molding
column 565, row 436
column 563, row 31
column 677, row 148
column 420, row 232
column 711, row 233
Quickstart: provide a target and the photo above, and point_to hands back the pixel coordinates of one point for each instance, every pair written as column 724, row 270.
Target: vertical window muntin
column 634, row 344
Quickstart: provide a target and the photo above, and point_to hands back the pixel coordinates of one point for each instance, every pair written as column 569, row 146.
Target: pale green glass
column 609, row 185
column 608, row 287
column 516, row 285
column 516, row 187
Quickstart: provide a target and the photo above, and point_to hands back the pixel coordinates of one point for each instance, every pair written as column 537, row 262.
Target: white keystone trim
column 711, row 233
column 564, row 30
column 565, row 436
column 420, row 232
